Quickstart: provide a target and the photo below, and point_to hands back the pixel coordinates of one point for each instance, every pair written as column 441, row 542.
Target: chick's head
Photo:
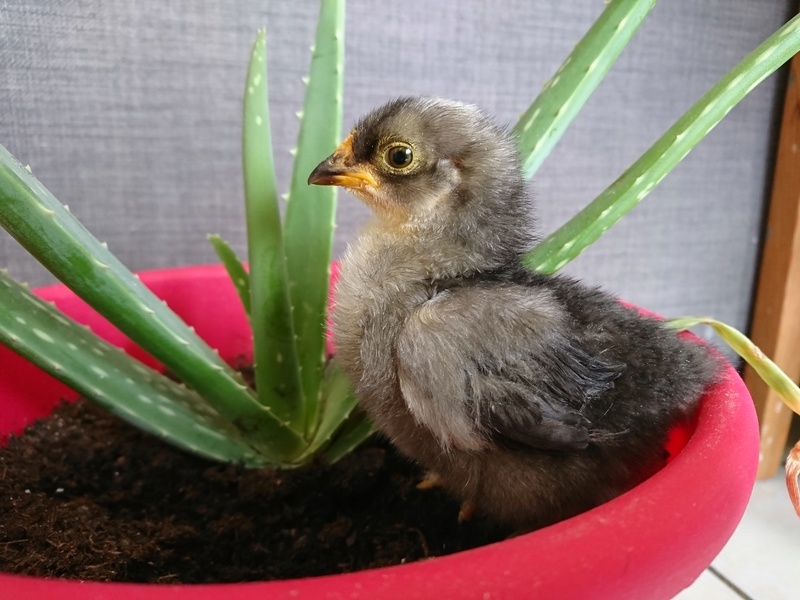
column 432, row 163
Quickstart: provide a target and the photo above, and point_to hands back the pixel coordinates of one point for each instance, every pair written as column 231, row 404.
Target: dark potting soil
column 85, row 495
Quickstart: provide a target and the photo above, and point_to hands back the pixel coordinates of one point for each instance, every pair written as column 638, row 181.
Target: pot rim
column 651, row 541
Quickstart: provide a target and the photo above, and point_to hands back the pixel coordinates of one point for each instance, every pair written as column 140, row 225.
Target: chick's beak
column 341, row 169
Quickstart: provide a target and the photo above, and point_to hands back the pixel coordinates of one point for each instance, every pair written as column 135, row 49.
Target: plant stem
column 311, row 210
column 276, row 370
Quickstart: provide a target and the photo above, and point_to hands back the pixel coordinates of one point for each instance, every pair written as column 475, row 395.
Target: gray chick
column 531, row 398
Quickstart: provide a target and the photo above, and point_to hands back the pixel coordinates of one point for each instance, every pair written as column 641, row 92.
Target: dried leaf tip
column 792, row 476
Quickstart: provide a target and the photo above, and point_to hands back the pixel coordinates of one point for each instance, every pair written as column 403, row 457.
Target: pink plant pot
column 651, row 542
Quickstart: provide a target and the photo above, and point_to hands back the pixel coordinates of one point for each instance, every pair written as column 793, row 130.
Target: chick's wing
column 499, row 364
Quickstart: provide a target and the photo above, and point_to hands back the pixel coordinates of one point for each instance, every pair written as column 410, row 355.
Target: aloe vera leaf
column 352, row 433
column 311, row 210
column 771, row 373
column 338, row 401
column 235, row 269
column 541, row 126
column 103, row 373
column 276, row 367
column 60, row 242
column 639, row 179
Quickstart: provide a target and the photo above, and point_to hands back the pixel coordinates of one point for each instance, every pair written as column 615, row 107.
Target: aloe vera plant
column 303, row 404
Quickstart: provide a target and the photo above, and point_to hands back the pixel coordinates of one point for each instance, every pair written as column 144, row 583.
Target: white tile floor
column 762, row 559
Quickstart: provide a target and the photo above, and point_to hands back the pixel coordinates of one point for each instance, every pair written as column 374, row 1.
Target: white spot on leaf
column 98, row 371
column 167, row 410
column 42, row 335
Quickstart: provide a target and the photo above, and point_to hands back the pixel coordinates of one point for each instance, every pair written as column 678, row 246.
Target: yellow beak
column 341, row 169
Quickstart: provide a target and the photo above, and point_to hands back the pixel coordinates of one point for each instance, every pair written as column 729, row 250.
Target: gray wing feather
column 494, row 365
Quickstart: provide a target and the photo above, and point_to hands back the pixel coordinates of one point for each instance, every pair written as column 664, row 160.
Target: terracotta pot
column 648, row 543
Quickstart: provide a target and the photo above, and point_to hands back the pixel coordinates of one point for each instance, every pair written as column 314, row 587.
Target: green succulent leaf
column 771, row 373
column 236, row 271
column 541, row 126
column 276, row 366
column 338, row 401
column 639, row 179
column 350, row 435
column 103, row 373
column 311, row 210
column 59, row 241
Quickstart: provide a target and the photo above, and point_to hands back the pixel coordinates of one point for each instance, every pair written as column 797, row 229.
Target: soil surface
column 85, row 495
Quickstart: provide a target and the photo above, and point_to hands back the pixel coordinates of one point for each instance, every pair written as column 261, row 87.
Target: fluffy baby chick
column 531, row 398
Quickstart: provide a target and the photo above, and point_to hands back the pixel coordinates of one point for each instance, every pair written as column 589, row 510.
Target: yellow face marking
column 340, row 169
column 345, row 149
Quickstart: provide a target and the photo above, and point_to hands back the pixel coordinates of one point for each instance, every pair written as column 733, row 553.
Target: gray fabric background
column 129, row 113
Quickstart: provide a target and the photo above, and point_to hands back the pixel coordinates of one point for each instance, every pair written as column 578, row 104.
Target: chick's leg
column 430, row 481
column 467, row 511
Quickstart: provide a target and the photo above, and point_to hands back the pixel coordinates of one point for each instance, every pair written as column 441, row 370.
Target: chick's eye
column 399, row 157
